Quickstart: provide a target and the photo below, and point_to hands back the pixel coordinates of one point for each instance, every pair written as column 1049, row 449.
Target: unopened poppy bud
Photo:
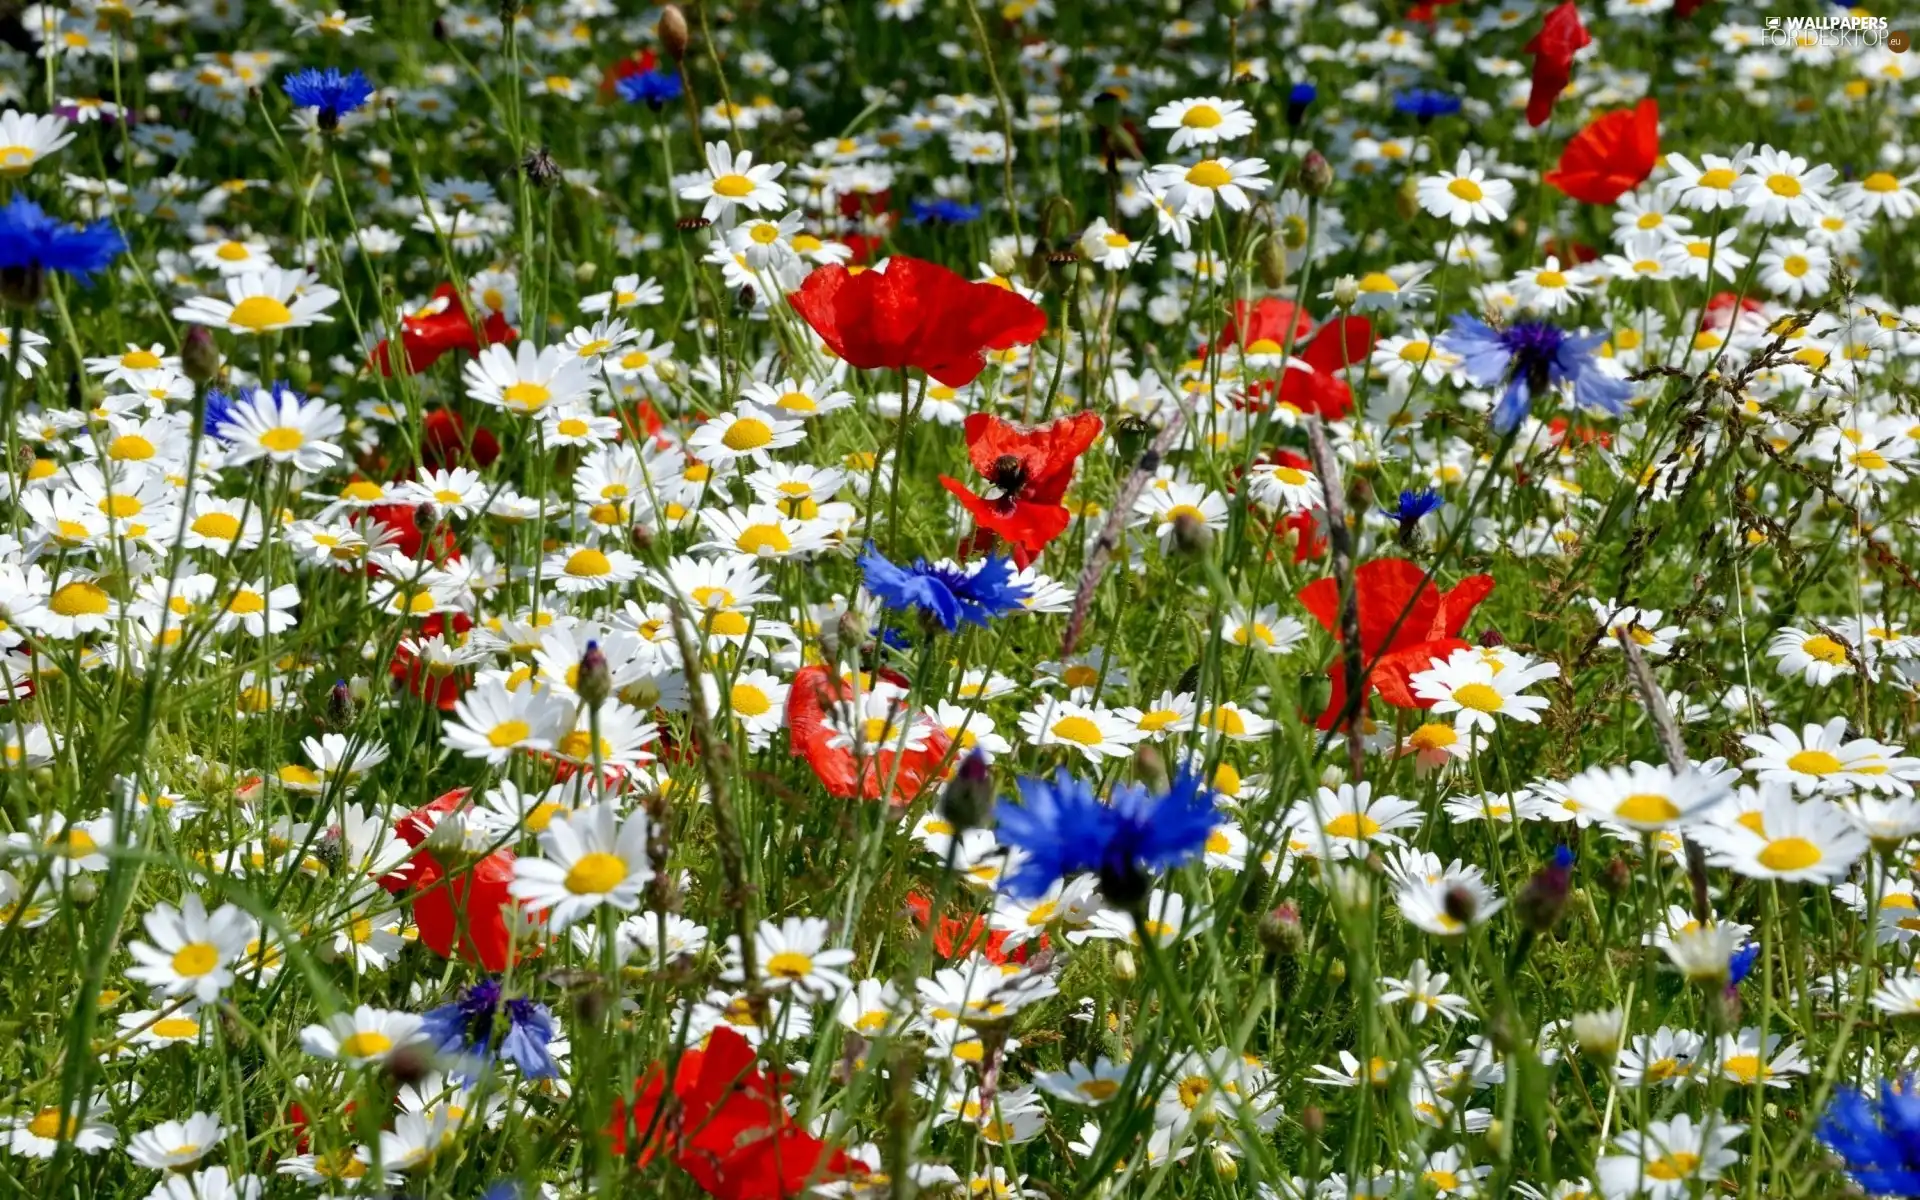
column 1313, row 1120
column 1406, row 201
column 340, row 706
column 596, row 678
column 1489, row 638
column 642, row 537
column 23, row 286
column 967, row 800
column 1316, row 174
column 1346, row 290
column 1150, row 768
column 1281, row 931
column 410, row 1064
column 1273, row 262
column 1616, row 877
column 199, row 357
column 1191, row 536
column 1461, row 905
column 1544, row 897
column 672, row 32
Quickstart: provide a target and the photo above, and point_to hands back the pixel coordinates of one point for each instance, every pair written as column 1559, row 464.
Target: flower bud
column 1281, row 932
column 1124, row 968
column 1598, row 1033
column 1316, row 174
column 585, row 270
column 672, row 32
column 1150, row 768
column 1346, row 290
column 1192, row 537
column 1224, row 1163
column 1406, row 201
column 595, row 683
column 1544, row 897
column 1003, row 262
column 1461, row 904
column 340, row 706
column 410, row 1064
column 1272, row 262
column 199, row 357
column 967, row 801
column 1313, row 1120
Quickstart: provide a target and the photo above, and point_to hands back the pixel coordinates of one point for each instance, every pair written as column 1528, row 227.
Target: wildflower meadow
column 972, row 599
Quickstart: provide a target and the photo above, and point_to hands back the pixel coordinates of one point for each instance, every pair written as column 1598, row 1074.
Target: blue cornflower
column 943, row 211
column 949, row 594
column 329, row 90
column 652, row 88
column 1299, row 98
column 1065, row 829
column 1878, row 1136
column 33, row 243
column 219, row 413
column 470, row 1026
column 1414, row 504
column 1528, row 358
column 1427, row 103
column 1741, row 963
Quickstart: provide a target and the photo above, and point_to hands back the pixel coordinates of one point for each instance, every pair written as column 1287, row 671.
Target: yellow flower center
column 1466, row 189
column 1719, row 179
column 525, row 396
column 365, row 1044
column 1480, row 697
column 1789, row 854
column 1077, row 729
column 1352, row 825
column 733, row 186
column 47, row 1123
column 1826, row 649
column 596, row 874
column 589, row 563
column 260, row 314
column 1208, row 173
column 246, row 601
column 790, row 964
column 509, row 733
column 1649, row 808
column 79, row 599
column 196, row 959
column 1201, row 116
column 746, row 434
column 1783, row 185
column 757, row 538
column 175, row 1027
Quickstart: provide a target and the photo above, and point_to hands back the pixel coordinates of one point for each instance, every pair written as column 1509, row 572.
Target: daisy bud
column 584, row 272
column 1002, row 261
column 596, row 678
column 1346, row 290
column 1598, row 1033
column 672, row 32
column 83, row 889
column 1273, row 262
column 1124, row 968
column 1316, row 174
column 1224, row 1163
column 1406, row 201
column 666, row 370
column 1332, row 776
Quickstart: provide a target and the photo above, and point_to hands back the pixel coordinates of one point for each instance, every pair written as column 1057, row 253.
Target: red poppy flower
column 1261, row 327
column 1561, row 36
column 956, row 939
column 1387, row 587
column 444, row 326
column 913, row 313
column 1314, row 379
column 1610, row 157
column 446, row 442
column 404, row 533
column 467, row 915
column 1030, row 468
column 814, row 690
column 721, row 1121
